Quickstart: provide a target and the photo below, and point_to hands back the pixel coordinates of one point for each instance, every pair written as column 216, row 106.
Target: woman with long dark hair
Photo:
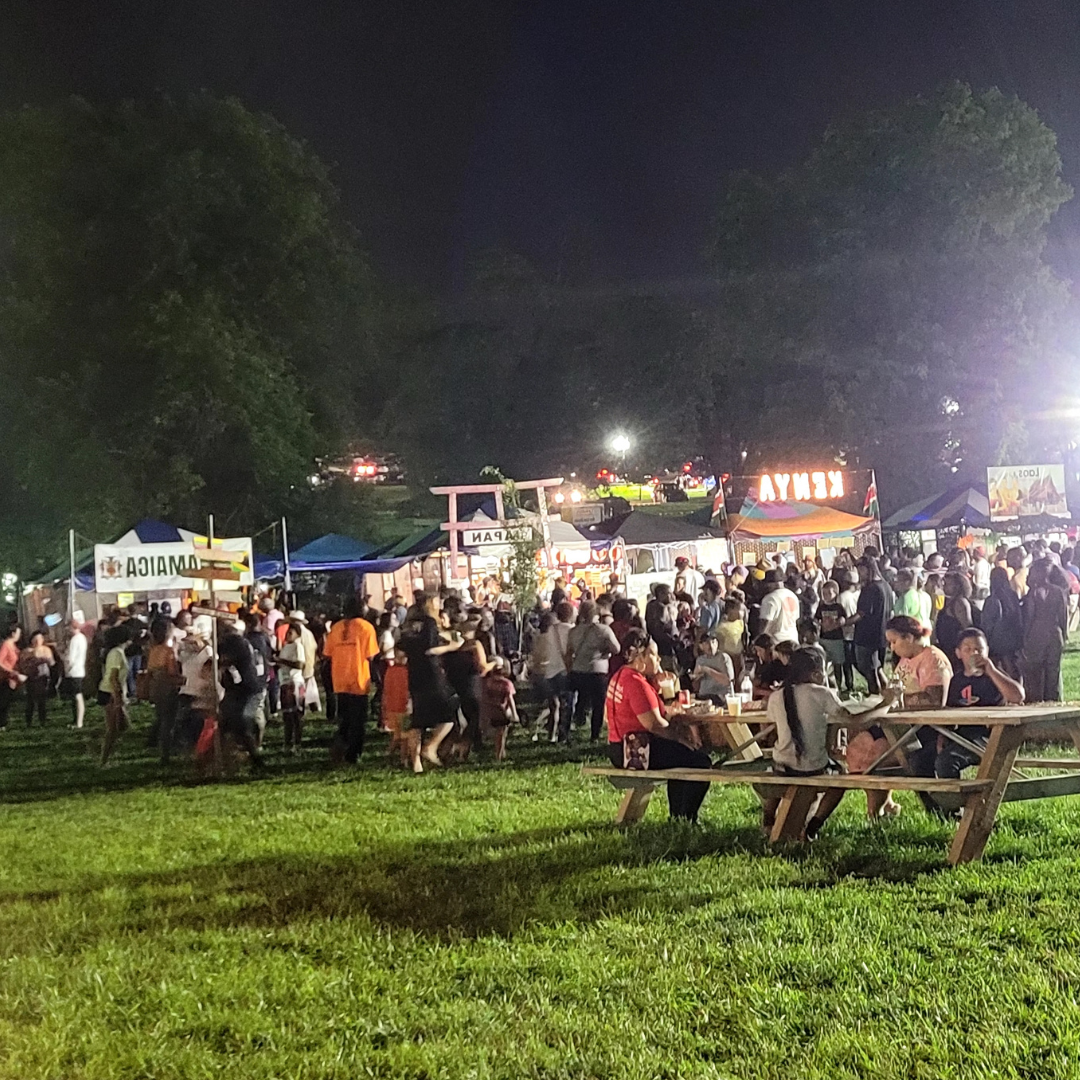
column 1003, row 623
column 1046, row 629
column 802, row 710
column 639, row 735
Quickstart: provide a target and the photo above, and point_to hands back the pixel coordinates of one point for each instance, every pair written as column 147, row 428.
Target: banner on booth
column 141, row 568
column 1018, row 491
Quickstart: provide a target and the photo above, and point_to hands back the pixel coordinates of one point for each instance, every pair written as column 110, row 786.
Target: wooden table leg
column 633, row 804
column 981, row 808
column 1074, row 731
column 792, row 813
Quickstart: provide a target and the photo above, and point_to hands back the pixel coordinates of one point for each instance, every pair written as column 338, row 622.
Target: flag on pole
column 870, row 504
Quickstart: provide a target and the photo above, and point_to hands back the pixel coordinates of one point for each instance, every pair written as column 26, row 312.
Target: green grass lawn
column 489, row 922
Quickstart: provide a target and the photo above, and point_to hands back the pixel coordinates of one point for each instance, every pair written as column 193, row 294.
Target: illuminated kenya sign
column 801, row 486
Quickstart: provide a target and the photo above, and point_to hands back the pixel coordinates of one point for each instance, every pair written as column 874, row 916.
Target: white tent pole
column 71, row 581
column 285, row 553
column 213, row 625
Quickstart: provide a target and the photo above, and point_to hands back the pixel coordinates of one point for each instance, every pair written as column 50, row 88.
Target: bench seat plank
column 845, row 781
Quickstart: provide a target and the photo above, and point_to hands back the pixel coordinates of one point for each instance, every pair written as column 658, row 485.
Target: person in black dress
column 434, row 706
column 954, row 617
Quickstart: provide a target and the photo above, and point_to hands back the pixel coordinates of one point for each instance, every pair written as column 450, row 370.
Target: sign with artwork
column 139, row 568
column 1019, row 491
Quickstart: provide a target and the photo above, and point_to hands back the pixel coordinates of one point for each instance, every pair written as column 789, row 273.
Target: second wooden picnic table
column 1000, row 765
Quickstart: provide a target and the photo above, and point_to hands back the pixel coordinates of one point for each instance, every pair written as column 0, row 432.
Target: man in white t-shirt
column 75, row 668
column 779, row 609
column 694, row 578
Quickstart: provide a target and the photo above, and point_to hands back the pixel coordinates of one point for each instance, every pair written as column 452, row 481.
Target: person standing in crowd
column 871, row 614
column 588, row 648
column 311, row 651
column 1017, row 561
column 907, row 597
column 198, row 695
column 163, row 671
column 710, row 613
column 1045, row 614
column 693, row 579
column 11, row 678
column 660, row 624
column 75, row 669
column 731, row 634
column 351, row 645
column 779, row 609
column 291, row 661
column 547, row 665
column 498, row 709
column 558, row 593
column 434, row 709
column 830, row 620
column 243, row 688
column 954, row 616
column 812, row 574
column 639, row 735
column 265, row 670
column 1003, row 623
column 464, row 668
column 980, row 578
column 37, row 663
column 113, row 688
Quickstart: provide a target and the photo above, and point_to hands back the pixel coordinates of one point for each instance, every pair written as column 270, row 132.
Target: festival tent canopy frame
column 965, row 504
column 795, row 521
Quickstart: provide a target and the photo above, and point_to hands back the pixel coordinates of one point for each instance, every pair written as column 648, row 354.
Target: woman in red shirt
column 639, row 736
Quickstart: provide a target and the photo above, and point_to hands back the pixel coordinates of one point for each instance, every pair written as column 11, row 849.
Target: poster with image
column 1019, row 491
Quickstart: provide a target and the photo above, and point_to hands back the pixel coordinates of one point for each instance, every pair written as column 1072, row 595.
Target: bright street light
column 620, row 444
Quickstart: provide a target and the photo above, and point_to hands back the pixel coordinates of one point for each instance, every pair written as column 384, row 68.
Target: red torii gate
column 455, row 527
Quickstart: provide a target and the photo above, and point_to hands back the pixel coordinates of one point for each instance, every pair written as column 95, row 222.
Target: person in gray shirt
column 588, row 649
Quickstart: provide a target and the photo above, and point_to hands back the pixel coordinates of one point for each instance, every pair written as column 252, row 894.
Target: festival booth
column 942, row 520
column 652, row 542
column 812, row 513
column 150, row 563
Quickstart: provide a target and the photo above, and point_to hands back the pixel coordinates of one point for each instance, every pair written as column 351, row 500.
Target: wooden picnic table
column 1010, row 726
column 999, row 778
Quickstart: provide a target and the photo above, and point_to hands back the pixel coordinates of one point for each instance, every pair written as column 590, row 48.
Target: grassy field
column 489, row 922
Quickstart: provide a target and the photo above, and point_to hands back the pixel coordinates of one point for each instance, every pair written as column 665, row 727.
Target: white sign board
column 492, row 536
column 138, row 568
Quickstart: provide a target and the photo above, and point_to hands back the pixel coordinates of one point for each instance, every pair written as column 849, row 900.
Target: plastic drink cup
column 734, row 704
column 684, row 698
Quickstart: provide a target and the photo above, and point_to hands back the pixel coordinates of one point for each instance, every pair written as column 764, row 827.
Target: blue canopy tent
column 964, row 505
column 328, row 553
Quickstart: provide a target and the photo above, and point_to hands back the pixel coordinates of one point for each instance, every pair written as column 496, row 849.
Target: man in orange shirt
column 350, row 646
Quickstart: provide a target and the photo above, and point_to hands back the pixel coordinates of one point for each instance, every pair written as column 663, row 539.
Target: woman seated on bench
column 802, row 712
column 639, row 736
column 924, row 671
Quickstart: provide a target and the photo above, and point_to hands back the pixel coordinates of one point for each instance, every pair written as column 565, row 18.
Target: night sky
column 595, row 131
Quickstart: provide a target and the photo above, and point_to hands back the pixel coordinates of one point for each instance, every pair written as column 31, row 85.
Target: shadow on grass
column 447, row 890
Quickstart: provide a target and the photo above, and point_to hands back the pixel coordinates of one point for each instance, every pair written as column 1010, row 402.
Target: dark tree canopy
column 887, row 299
column 184, row 317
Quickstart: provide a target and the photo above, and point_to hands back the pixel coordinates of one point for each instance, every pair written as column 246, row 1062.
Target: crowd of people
column 927, row 632
column 442, row 673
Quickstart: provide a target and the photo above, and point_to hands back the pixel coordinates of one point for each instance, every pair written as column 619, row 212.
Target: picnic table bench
column 997, row 780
